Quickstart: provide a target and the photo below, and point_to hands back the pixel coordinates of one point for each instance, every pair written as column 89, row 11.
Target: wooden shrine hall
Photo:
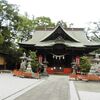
column 59, row 47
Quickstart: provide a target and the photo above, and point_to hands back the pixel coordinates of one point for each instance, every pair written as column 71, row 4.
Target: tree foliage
column 34, row 62
column 43, row 23
column 12, row 24
column 8, row 14
column 23, row 27
column 13, row 58
column 8, row 17
column 85, row 64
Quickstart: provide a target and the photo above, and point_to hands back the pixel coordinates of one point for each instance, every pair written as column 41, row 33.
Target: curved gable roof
column 59, row 32
column 72, row 37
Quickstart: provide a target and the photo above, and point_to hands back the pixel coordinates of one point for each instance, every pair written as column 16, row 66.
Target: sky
column 78, row 12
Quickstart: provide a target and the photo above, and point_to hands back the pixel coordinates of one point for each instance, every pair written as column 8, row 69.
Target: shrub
column 34, row 62
column 85, row 64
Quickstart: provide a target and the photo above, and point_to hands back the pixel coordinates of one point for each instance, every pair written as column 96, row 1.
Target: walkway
column 12, row 86
column 54, row 88
column 88, row 90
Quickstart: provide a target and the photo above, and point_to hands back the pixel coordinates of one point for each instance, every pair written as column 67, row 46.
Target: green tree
column 43, row 23
column 23, row 27
column 12, row 25
column 13, row 58
column 8, row 17
column 1, row 39
column 85, row 64
column 34, row 62
column 8, row 14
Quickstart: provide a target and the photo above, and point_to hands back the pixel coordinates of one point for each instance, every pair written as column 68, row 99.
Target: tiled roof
column 76, row 34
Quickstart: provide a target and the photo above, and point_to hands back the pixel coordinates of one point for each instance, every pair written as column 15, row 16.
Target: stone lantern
column 95, row 68
column 23, row 62
column 29, row 68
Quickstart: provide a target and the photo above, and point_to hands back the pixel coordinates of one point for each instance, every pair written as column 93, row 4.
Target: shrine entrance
column 59, row 57
column 57, row 64
column 62, row 62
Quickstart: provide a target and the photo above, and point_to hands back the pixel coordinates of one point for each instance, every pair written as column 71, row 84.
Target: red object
column 78, row 60
column 67, row 70
column 73, row 76
column 50, row 70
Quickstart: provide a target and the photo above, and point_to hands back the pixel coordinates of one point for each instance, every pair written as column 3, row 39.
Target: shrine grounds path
column 55, row 87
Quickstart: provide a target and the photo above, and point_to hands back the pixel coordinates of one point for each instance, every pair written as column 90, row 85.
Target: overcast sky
column 79, row 12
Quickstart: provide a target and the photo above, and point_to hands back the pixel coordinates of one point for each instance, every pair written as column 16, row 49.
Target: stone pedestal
column 45, row 68
column 45, row 71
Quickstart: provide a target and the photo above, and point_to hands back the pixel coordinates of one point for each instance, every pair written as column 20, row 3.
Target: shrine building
column 59, row 47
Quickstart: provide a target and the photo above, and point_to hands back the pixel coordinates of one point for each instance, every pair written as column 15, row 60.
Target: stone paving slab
column 88, row 90
column 11, row 85
column 90, row 86
column 54, row 88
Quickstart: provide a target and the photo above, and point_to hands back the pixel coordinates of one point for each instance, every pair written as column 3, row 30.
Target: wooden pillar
column 77, row 60
column 40, row 58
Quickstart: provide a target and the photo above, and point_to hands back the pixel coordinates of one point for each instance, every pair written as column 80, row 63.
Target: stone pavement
column 88, row 90
column 54, row 88
column 12, row 86
column 90, row 86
